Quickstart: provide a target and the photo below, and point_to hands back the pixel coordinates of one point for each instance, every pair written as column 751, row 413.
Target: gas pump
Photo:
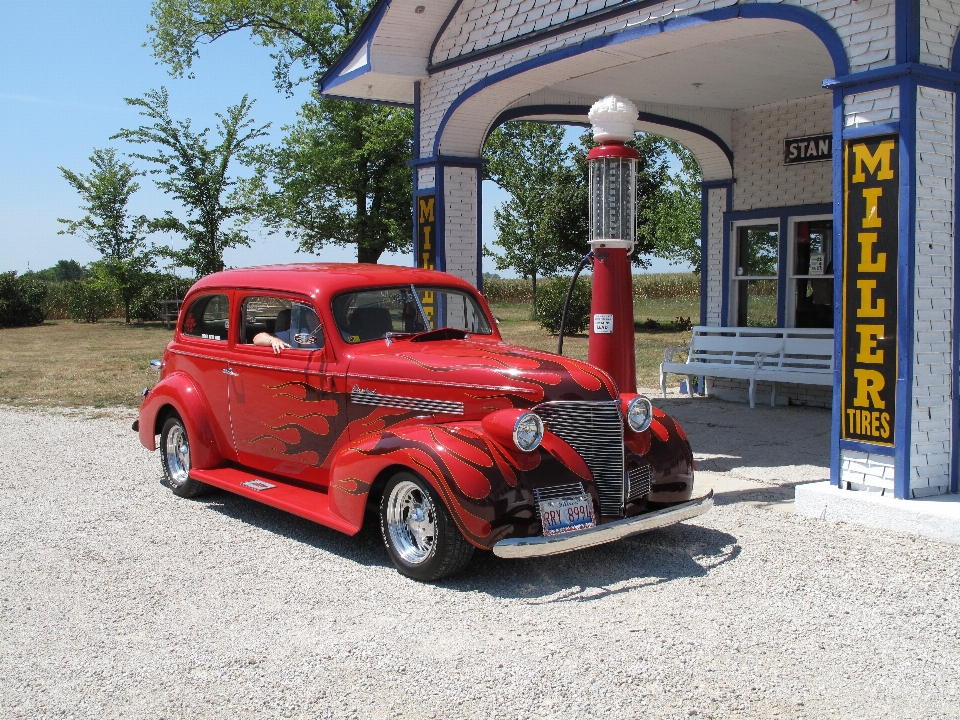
column 613, row 224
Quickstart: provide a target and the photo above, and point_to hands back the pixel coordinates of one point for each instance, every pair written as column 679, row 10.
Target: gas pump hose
column 566, row 305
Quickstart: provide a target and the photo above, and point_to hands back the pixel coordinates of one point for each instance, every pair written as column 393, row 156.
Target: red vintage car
column 331, row 390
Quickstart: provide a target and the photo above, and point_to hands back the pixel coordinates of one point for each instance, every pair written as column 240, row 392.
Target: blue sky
column 65, row 67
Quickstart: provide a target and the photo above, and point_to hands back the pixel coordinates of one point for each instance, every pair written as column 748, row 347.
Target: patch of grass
column 67, row 364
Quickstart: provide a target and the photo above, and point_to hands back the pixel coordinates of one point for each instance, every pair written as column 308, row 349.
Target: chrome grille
column 595, row 431
column 638, row 482
column 557, row 491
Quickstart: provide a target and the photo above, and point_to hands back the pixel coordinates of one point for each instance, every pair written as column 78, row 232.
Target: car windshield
column 406, row 309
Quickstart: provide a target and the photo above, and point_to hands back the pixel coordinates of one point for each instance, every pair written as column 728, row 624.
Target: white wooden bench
column 793, row 355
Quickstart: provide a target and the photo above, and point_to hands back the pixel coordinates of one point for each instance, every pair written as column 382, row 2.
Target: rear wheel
column 422, row 539
column 175, row 459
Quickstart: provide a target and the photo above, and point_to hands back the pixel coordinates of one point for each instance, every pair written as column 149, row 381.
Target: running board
column 310, row 504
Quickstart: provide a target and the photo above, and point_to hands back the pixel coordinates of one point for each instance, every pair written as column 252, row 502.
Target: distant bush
column 94, row 299
column 158, row 286
column 550, row 298
column 63, row 271
column 21, row 300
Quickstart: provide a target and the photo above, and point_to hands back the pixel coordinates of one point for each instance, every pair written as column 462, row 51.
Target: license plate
column 565, row 514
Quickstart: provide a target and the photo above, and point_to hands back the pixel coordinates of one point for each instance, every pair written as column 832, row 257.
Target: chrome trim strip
column 441, row 383
column 610, row 532
column 359, row 396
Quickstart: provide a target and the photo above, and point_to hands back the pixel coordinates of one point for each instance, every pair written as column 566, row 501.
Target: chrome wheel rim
column 411, row 522
column 177, row 451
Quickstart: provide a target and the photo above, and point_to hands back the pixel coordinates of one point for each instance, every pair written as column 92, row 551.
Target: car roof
column 327, row 278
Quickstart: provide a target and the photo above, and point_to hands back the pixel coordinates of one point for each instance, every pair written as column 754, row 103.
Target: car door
column 287, row 409
column 202, row 349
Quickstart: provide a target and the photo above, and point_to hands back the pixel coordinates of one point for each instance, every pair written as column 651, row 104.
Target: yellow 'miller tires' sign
column 871, row 176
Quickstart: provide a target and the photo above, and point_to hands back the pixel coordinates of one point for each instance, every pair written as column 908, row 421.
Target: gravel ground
column 118, row 599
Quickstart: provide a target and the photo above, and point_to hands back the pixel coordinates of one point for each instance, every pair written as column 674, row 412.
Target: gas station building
column 825, row 132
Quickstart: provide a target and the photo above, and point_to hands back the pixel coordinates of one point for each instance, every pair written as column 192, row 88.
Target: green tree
column 674, row 221
column 338, row 180
column 542, row 227
column 109, row 225
column 197, row 174
column 341, row 173
column 63, row 271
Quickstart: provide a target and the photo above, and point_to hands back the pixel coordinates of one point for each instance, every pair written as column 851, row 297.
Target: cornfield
column 646, row 286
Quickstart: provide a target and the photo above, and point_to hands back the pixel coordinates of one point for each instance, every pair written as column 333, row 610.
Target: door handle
column 231, row 373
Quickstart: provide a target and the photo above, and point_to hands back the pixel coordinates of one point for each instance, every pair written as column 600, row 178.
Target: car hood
column 474, row 370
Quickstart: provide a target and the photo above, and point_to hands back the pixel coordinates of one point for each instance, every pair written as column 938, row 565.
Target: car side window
column 207, row 318
column 295, row 323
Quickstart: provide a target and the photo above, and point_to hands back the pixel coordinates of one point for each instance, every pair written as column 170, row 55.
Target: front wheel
column 175, row 459
column 422, row 539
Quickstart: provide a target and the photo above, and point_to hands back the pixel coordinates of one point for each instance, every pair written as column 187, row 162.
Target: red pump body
column 613, row 351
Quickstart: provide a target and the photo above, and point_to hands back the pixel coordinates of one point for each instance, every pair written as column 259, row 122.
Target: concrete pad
column 937, row 518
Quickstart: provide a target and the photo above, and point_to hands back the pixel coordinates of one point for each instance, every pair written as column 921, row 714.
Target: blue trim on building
column 955, row 375
column 667, row 121
column 704, row 246
column 908, row 31
column 838, row 219
column 449, row 160
column 806, row 18
column 905, row 283
column 867, row 448
column 480, row 228
column 364, row 36
column 528, row 111
column 928, row 75
column 441, row 214
column 416, row 154
column 855, row 133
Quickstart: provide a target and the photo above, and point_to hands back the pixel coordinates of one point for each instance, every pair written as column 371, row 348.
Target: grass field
column 67, row 364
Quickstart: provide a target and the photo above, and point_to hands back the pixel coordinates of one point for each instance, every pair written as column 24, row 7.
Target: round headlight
column 528, row 432
column 639, row 414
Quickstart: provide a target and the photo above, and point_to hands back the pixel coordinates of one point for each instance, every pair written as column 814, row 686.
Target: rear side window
column 207, row 318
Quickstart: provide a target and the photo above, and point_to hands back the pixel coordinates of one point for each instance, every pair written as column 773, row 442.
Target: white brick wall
column 716, row 205
column 868, row 108
column 930, row 429
column 763, row 180
column 866, row 27
column 460, row 222
column 865, row 469
column 939, row 20
column 426, row 178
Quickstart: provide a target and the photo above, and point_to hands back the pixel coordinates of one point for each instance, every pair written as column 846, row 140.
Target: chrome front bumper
column 610, row 532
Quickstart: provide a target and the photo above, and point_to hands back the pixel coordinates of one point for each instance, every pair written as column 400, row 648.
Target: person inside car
column 283, row 336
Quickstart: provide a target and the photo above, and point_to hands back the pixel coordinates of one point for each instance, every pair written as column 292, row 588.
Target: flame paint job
column 291, row 415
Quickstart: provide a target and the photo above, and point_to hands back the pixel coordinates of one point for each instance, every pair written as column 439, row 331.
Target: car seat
column 370, row 323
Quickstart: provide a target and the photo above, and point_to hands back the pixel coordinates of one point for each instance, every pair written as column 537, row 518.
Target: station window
column 754, row 281
column 810, row 291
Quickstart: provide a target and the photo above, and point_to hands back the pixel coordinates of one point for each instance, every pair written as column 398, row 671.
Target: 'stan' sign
column 869, row 326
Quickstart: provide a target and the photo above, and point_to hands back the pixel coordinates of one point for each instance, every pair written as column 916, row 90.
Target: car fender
column 480, row 481
column 671, row 460
column 181, row 393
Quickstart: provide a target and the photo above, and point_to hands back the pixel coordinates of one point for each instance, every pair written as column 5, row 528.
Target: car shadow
column 663, row 555
column 659, row 556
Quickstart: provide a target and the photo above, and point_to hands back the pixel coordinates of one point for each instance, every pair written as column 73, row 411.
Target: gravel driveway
column 118, row 599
